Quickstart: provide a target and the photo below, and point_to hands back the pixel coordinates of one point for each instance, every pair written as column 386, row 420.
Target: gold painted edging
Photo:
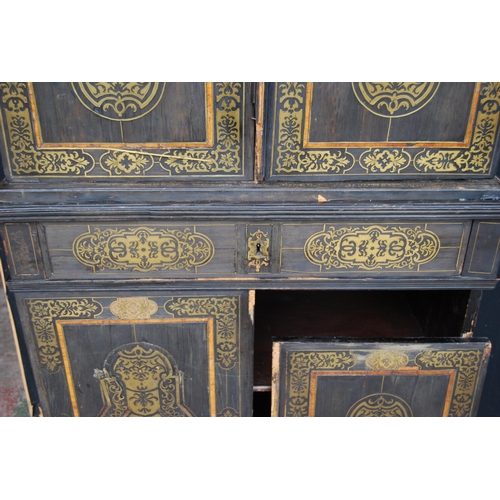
column 209, row 124
column 314, row 374
column 397, row 144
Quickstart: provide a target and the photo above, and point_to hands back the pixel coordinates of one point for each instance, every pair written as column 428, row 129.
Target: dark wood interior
column 352, row 314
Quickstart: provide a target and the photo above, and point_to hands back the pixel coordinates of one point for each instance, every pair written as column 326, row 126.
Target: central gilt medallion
column 119, row 101
column 394, row 99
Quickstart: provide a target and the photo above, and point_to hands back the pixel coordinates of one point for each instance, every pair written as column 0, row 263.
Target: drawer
column 374, row 249
column 147, row 250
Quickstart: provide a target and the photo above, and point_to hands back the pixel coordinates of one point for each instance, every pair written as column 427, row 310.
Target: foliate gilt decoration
column 380, row 405
column 224, row 310
column 43, row 315
column 143, row 249
column 477, row 158
column 301, row 366
column 26, row 159
column 124, row 101
column 141, row 380
column 387, row 360
column 121, row 101
column 467, row 364
column 133, row 307
column 372, row 247
column 394, row 99
column 291, row 157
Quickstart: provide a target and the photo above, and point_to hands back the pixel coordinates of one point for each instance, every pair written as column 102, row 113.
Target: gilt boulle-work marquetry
column 43, row 316
column 390, row 129
column 373, row 247
column 225, row 312
column 342, row 248
column 152, row 249
column 182, row 355
column 141, row 380
column 394, row 99
column 378, row 379
column 121, row 101
column 218, row 154
column 143, row 249
column 380, row 405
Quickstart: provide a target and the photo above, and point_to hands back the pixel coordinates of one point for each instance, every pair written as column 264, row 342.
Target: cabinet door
column 381, row 130
column 129, row 354
column 127, row 130
column 355, row 379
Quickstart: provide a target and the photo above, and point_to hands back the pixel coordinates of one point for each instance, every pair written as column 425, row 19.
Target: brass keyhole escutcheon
column 258, row 250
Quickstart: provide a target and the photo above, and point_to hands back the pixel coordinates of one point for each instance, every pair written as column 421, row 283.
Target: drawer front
column 377, row 130
column 104, row 250
column 338, row 249
column 152, row 353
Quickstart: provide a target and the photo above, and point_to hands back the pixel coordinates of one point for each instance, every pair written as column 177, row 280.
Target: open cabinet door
column 419, row 378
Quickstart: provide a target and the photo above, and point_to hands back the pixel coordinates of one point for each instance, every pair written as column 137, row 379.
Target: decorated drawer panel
column 432, row 248
column 105, row 250
column 382, row 130
column 126, row 130
column 153, row 354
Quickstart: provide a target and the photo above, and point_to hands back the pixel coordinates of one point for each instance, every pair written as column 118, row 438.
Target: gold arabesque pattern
column 44, row 313
column 222, row 159
column 387, row 360
column 225, row 312
column 467, row 364
column 143, row 249
column 141, row 380
column 121, row 101
column 300, row 368
column 394, row 99
column 133, row 307
column 372, row 247
column 380, row 405
column 293, row 155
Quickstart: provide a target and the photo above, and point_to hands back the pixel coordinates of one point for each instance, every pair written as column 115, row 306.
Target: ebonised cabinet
column 157, row 237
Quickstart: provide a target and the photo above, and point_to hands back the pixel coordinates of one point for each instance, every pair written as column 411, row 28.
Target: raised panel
column 483, row 256
column 22, row 250
column 366, row 379
column 139, row 354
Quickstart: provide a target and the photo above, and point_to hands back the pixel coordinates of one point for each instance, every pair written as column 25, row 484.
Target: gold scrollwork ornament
column 143, row 249
column 380, row 405
column 141, row 380
column 372, row 247
column 394, row 99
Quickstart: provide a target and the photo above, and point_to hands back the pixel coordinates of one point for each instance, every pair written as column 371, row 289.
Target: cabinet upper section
column 127, row 130
column 388, row 130
column 242, row 131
